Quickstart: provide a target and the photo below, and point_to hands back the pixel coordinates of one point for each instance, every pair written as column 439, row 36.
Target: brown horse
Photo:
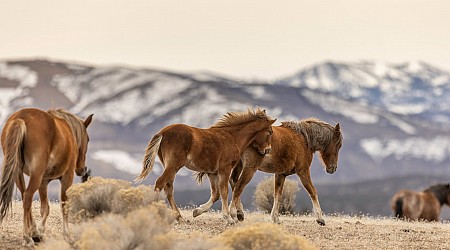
column 293, row 145
column 425, row 205
column 214, row 151
column 45, row 146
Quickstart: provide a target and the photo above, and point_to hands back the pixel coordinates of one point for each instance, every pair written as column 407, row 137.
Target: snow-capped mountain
column 395, row 118
column 418, row 90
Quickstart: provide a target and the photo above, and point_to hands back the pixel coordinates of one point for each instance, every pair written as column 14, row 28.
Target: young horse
column 45, row 146
column 424, row 205
column 293, row 145
column 214, row 151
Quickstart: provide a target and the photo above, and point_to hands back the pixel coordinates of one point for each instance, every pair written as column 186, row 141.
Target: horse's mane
column 318, row 134
column 76, row 125
column 237, row 118
column 440, row 191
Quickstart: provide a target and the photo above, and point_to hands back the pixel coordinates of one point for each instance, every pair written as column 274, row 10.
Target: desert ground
column 340, row 232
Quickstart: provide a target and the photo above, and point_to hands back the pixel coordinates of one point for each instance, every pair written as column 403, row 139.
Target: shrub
column 144, row 228
column 98, row 195
column 263, row 236
column 263, row 196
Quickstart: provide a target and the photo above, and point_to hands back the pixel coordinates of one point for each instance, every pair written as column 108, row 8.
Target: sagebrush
column 263, row 196
column 98, row 195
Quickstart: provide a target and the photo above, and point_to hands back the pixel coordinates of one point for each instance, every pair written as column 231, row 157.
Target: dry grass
column 204, row 232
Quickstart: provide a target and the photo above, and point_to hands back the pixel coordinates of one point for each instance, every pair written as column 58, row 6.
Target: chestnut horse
column 45, row 146
column 293, row 145
column 424, row 205
column 214, row 151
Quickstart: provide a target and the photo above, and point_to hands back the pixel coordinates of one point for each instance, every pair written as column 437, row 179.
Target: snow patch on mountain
column 436, row 149
column 128, row 163
column 26, row 79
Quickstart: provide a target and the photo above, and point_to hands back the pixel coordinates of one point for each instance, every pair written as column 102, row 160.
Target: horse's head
column 448, row 193
column 81, row 168
column 263, row 141
column 330, row 153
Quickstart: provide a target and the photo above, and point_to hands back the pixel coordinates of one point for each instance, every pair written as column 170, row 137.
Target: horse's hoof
column 196, row 213
column 321, row 222
column 27, row 242
column 38, row 238
column 240, row 216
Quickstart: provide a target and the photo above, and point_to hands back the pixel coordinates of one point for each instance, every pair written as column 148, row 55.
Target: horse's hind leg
column 213, row 180
column 307, row 183
column 45, row 207
column 168, row 189
column 279, row 183
column 167, row 177
column 29, row 226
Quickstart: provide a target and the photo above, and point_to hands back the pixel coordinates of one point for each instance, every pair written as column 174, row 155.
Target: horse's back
column 415, row 205
column 189, row 145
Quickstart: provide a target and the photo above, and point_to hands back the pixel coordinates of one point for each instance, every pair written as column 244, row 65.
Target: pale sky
column 238, row 38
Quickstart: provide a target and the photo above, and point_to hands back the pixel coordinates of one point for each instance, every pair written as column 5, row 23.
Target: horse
column 214, row 151
column 45, row 145
column 425, row 205
column 293, row 145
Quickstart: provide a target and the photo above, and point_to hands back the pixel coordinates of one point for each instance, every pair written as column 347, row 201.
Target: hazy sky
column 251, row 39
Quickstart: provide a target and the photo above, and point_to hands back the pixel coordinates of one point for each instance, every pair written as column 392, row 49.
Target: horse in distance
column 425, row 205
column 293, row 145
column 45, row 145
column 214, row 151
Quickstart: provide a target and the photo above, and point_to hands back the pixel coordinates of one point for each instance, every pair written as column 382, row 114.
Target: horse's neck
column 441, row 196
column 241, row 136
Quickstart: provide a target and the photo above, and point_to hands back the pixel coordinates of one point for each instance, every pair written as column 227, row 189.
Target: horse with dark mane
column 292, row 148
column 214, row 151
column 45, row 145
column 425, row 205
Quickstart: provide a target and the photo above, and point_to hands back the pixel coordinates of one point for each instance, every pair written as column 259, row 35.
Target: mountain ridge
column 130, row 105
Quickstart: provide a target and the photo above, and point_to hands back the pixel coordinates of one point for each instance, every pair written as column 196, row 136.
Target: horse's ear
column 88, row 120
column 272, row 121
column 337, row 128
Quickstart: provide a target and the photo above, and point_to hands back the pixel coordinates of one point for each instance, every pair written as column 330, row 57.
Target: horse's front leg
column 213, row 180
column 307, row 183
column 236, row 208
column 224, row 177
column 278, row 191
column 66, row 181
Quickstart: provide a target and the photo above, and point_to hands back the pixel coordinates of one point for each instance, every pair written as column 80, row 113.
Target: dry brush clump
column 144, row 228
column 263, row 236
column 98, row 195
column 263, row 196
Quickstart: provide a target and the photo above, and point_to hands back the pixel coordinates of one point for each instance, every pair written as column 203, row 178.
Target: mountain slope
column 394, row 118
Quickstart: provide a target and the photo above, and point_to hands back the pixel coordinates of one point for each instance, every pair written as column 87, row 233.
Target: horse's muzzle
column 86, row 175
column 265, row 151
column 331, row 169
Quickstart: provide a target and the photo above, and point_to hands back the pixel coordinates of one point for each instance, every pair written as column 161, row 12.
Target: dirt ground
column 340, row 232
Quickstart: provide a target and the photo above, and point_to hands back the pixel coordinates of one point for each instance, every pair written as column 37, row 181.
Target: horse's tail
column 399, row 208
column 12, row 163
column 150, row 156
column 198, row 177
